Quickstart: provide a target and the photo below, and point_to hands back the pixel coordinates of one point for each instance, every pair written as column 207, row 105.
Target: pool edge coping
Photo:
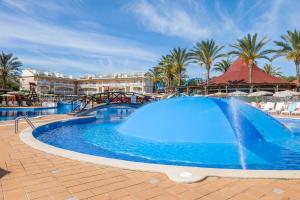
column 180, row 174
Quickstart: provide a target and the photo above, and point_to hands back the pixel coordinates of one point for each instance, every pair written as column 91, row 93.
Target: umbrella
column 286, row 93
column 15, row 93
column 218, row 94
column 260, row 94
column 49, row 95
column 6, row 95
column 237, row 94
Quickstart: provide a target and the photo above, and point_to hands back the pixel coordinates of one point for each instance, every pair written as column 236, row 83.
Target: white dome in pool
column 202, row 120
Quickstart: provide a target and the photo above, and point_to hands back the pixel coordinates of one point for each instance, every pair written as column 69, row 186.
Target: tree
column 289, row 78
column 155, row 75
column 9, row 69
column 205, row 53
column 181, row 58
column 168, row 70
column 250, row 50
column 290, row 48
column 273, row 71
column 222, row 66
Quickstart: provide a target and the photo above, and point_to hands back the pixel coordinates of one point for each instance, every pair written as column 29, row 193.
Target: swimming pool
column 13, row 113
column 100, row 136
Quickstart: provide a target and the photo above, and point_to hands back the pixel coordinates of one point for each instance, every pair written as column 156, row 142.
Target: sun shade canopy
column 238, row 73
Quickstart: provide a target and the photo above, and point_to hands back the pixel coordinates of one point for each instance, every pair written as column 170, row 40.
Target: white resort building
column 56, row 83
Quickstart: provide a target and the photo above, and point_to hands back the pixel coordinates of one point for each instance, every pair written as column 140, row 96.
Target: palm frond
column 205, row 53
column 9, row 68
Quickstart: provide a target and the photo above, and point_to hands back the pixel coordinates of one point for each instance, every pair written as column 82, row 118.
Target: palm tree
column 181, row 58
column 222, row 66
column 155, row 75
column 273, row 71
column 290, row 48
column 167, row 68
column 249, row 49
column 9, row 68
column 205, row 53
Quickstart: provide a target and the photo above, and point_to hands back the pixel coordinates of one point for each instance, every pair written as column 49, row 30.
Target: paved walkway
column 30, row 174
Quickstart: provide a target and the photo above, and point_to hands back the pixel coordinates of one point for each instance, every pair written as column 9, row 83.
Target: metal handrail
column 26, row 119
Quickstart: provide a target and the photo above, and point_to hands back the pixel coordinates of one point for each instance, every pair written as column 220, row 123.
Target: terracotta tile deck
column 30, row 174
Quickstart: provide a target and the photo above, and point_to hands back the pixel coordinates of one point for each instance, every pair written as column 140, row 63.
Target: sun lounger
column 291, row 108
column 3, row 103
column 268, row 106
column 24, row 104
column 16, row 103
column 10, row 103
column 278, row 108
column 297, row 110
column 261, row 105
column 255, row 104
column 265, row 107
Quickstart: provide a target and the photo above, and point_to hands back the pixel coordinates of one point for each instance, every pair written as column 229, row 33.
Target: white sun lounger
column 278, row 108
column 268, row 106
column 291, row 108
column 24, row 104
column 3, row 103
column 254, row 104
column 297, row 110
column 51, row 104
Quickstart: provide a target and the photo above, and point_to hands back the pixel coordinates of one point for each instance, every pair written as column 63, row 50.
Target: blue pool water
column 105, row 135
column 13, row 113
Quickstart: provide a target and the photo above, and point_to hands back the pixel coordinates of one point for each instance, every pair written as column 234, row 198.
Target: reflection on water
column 12, row 113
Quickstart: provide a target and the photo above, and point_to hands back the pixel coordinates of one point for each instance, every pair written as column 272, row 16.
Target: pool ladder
column 25, row 117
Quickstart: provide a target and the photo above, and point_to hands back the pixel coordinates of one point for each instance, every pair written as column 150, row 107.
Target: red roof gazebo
column 238, row 73
column 237, row 78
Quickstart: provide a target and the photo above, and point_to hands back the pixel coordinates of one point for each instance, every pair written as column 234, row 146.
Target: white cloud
column 167, row 20
column 57, row 64
column 15, row 4
column 81, row 65
column 38, row 33
column 47, row 8
column 29, row 30
column 227, row 24
column 269, row 21
column 43, row 44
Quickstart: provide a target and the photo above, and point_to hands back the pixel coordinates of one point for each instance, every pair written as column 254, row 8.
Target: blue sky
column 104, row 36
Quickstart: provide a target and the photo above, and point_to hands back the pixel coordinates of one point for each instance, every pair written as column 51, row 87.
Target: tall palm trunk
column 250, row 67
column 297, row 73
column 4, row 81
column 207, row 74
column 179, row 79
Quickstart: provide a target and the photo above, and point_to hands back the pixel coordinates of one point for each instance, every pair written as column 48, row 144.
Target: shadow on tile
column 3, row 172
